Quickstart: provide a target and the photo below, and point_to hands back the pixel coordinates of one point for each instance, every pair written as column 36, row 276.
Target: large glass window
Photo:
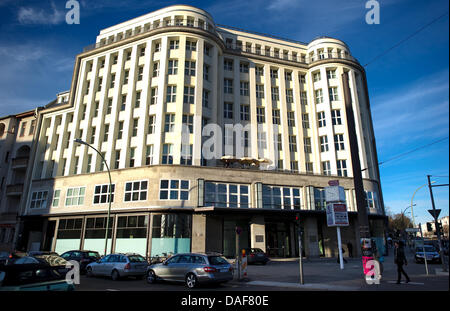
column 226, row 195
column 281, row 197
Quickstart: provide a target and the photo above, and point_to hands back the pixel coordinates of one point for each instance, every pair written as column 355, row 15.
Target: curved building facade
column 148, row 95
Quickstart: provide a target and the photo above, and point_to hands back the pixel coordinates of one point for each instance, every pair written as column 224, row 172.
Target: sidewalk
column 325, row 274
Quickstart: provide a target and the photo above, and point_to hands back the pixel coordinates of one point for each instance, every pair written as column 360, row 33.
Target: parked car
column 83, row 257
column 32, row 277
column 431, row 254
column 118, row 265
column 192, row 269
column 256, row 255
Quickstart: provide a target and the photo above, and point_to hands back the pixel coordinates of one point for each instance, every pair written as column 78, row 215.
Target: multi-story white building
column 131, row 94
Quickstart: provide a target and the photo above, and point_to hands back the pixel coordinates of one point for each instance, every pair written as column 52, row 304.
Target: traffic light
column 429, row 227
column 297, row 219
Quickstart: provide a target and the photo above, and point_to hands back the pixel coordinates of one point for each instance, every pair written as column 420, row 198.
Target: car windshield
column 93, row 254
column 136, row 258
column 217, row 260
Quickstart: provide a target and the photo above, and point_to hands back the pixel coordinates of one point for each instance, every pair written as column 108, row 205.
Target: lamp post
column 79, row 141
column 412, row 213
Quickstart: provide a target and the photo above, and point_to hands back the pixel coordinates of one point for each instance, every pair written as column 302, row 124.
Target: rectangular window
column 171, row 93
column 101, row 193
column 323, row 143
column 188, row 120
column 39, row 199
column 259, row 90
column 339, row 142
column 154, row 96
column 191, row 46
column 149, row 155
column 243, row 67
column 245, row 112
column 227, row 195
column 174, row 189
column 228, row 64
column 326, row 168
column 276, row 116
column 167, row 154
column 260, row 114
column 318, row 96
column 307, row 144
column 75, row 196
column 189, row 94
column 228, row 86
column 151, row 124
column 291, row 118
column 292, row 143
column 305, row 120
column 321, row 119
column 342, row 168
column 289, row 96
column 136, row 191
column 169, row 124
column 120, row 130
column 155, row 69
column 333, row 92
column 228, row 110
column 135, row 127
column 275, row 94
column 244, row 88
column 336, row 117
column 205, row 98
column 56, row 197
column 189, row 68
column 137, row 101
column 174, row 44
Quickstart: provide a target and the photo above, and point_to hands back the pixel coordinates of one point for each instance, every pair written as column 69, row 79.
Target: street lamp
column 412, row 213
column 79, row 141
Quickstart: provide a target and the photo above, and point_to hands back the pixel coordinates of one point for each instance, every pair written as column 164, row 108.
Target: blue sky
column 408, row 87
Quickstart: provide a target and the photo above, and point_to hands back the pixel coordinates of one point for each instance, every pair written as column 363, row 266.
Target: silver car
column 192, row 269
column 118, row 265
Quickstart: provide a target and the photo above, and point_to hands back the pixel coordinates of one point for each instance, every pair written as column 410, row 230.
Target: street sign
column 333, row 183
column 412, row 230
column 337, row 215
column 434, row 212
column 334, row 194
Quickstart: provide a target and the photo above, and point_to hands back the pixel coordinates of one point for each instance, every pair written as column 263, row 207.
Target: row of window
column 134, row 191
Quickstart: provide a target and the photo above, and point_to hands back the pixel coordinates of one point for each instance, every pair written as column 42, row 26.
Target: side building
column 145, row 80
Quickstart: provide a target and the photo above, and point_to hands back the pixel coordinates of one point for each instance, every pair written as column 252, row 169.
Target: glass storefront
column 131, row 234
column 69, row 234
column 171, row 234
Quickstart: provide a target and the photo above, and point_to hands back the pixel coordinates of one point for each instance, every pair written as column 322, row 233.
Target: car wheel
column 115, row 275
column 151, row 277
column 191, row 280
column 89, row 272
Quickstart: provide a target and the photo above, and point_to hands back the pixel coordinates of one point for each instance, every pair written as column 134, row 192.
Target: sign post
column 337, row 215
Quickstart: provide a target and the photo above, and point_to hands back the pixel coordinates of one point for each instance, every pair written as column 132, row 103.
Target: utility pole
column 436, row 225
column 356, row 165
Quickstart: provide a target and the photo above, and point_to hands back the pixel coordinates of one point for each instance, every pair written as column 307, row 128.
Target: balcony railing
column 172, row 23
column 14, row 190
column 19, row 163
column 288, row 57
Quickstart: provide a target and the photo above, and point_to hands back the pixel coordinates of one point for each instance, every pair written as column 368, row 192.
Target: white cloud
column 50, row 16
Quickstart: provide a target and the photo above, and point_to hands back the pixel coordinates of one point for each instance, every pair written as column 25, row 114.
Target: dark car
column 83, row 257
column 431, row 254
column 256, row 255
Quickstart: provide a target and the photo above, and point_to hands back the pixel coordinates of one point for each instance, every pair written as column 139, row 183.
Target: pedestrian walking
column 400, row 260
column 350, row 249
